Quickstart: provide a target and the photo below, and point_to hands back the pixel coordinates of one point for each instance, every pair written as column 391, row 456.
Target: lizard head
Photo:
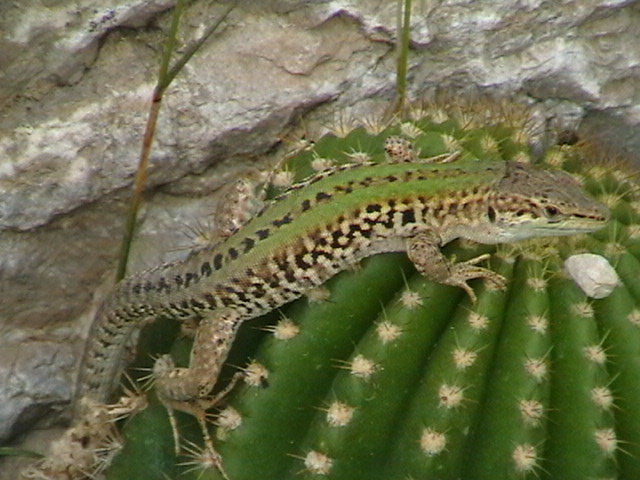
column 534, row 202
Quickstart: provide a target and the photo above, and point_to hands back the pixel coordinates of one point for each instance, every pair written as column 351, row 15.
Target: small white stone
column 593, row 274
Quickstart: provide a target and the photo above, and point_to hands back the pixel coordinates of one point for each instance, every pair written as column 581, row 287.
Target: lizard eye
column 551, row 212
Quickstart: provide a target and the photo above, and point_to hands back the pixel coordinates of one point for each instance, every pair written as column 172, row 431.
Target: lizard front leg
column 423, row 250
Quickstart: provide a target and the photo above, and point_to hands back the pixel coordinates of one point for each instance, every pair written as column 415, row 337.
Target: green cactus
column 395, row 377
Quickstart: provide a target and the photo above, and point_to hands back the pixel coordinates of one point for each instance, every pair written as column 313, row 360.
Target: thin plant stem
column 398, row 106
column 165, row 77
column 404, row 28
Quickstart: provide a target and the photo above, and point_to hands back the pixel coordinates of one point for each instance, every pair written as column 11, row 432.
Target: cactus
column 396, row 377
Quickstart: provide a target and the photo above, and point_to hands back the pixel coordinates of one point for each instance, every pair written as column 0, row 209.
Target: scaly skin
column 319, row 228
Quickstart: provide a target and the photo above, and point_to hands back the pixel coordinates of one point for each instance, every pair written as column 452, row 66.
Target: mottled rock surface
column 75, row 83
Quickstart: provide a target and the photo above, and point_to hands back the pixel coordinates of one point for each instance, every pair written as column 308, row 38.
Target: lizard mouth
column 552, row 229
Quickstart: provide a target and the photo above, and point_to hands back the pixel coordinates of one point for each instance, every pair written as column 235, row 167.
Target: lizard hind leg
column 213, row 340
column 188, row 389
column 424, row 252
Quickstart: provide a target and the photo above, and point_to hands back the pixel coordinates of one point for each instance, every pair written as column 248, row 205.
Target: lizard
column 318, row 228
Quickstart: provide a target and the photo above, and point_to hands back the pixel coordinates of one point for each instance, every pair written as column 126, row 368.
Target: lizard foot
column 462, row 272
column 178, row 395
column 424, row 251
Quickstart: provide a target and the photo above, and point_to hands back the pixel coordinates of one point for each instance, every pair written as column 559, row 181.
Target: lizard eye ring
column 551, row 212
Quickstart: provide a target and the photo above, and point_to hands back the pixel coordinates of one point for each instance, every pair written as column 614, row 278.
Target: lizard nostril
column 491, row 213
